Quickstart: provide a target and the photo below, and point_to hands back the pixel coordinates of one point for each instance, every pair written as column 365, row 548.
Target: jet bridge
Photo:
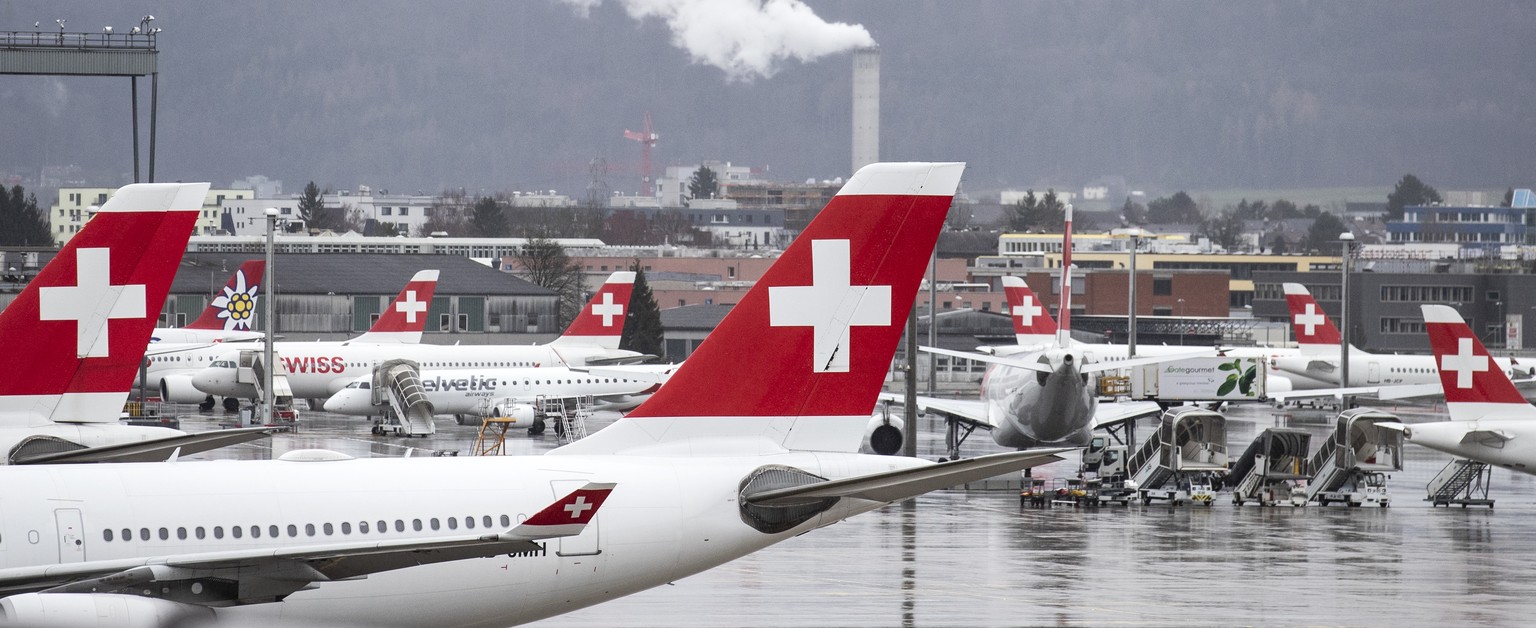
column 1351, row 465
column 398, row 392
column 1179, row 460
column 1272, row 469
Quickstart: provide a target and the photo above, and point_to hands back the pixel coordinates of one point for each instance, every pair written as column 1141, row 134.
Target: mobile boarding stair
column 1271, row 470
column 398, row 393
column 1464, row 482
column 251, row 370
column 1183, row 458
column 1351, row 465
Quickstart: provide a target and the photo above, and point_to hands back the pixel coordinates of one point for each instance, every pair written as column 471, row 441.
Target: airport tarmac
column 975, row 558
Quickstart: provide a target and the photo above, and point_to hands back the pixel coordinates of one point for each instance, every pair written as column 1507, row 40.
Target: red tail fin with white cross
column 1315, row 332
column 406, row 317
column 234, row 307
column 1475, row 386
column 601, row 322
column 1032, row 323
column 71, row 342
column 800, row 359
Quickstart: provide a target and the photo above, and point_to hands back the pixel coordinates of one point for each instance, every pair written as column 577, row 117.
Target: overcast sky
column 507, row 95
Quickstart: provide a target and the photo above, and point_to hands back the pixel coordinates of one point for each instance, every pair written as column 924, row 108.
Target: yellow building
column 77, row 205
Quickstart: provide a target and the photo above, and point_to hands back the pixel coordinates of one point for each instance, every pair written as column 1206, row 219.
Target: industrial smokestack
column 866, row 107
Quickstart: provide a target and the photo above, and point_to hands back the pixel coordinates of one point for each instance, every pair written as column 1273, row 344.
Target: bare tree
column 545, row 263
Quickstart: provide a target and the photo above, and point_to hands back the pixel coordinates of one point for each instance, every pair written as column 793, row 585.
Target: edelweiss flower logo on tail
column 237, row 304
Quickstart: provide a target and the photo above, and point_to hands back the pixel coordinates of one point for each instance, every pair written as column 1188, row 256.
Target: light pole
column 1182, row 325
column 1131, row 281
column 1346, row 239
column 267, row 399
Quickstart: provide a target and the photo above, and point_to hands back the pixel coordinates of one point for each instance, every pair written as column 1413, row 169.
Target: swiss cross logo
column 607, row 309
column 830, row 306
column 579, row 507
column 1464, row 363
column 1026, row 310
column 91, row 302
column 410, row 306
column 1310, row 319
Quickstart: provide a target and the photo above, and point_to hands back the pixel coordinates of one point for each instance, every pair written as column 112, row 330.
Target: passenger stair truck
column 1463, row 482
column 398, row 392
column 250, row 370
column 1184, row 459
column 1351, row 465
column 1273, row 468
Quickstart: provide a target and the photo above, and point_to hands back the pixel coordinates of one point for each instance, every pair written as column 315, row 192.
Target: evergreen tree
column 22, row 222
column 1179, row 208
column 704, row 184
column 1045, row 213
column 488, row 220
column 642, row 322
column 1409, row 191
column 312, row 211
column 1323, row 235
column 1225, row 230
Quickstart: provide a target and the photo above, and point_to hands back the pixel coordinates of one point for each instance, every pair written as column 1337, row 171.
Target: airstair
column 569, row 415
column 1179, row 461
column 1351, row 465
column 397, row 390
column 251, row 370
column 1271, row 470
column 1464, row 482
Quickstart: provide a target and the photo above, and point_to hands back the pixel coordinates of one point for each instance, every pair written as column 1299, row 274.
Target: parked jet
column 318, row 370
column 1490, row 420
column 71, row 342
column 493, row 392
column 228, row 315
column 731, row 456
column 1317, row 364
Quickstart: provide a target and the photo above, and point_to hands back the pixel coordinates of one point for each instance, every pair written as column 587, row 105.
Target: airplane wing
column 269, row 574
column 156, row 449
column 893, row 486
column 971, row 411
column 1108, row 414
column 1380, row 392
column 989, row 359
column 621, row 360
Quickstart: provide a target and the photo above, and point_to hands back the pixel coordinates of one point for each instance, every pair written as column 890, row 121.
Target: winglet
column 1032, row 324
column 234, row 307
column 601, row 321
column 568, row 516
column 1475, row 386
column 1315, row 332
column 406, row 317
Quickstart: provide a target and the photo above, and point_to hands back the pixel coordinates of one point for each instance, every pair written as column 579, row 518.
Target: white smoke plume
column 745, row 38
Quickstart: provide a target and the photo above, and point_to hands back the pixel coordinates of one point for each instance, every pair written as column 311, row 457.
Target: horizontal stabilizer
column 154, row 450
column 893, row 486
column 992, row 359
column 1114, row 365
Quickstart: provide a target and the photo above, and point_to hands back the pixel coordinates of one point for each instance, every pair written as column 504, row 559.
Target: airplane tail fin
column 799, row 361
column 406, row 317
column 1032, row 324
column 601, row 322
column 71, row 342
column 1315, row 332
column 234, row 307
column 1064, row 310
column 1475, row 386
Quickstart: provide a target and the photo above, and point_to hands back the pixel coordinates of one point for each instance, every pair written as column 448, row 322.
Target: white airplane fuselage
column 317, row 370
column 178, row 335
column 669, row 517
column 1365, row 369
column 1032, row 409
column 470, row 391
column 1516, row 450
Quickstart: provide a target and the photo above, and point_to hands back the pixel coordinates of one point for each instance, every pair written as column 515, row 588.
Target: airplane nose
column 341, row 402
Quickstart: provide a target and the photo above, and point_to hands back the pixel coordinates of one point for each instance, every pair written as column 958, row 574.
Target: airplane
column 1317, row 363
column 1045, row 397
column 507, row 391
column 71, row 342
column 172, row 368
column 317, row 370
column 729, row 457
column 228, row 315
column 1491, row 421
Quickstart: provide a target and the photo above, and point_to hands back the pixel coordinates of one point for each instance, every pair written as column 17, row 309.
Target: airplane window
column 200, row 532
column 218, row 532
column 127, row 534
column 434, row 523
column 469, row 522
column 400, row 525
column 143, row 534
column 293, row 530
column 236, row 531
column 487, row 521
column 506, row 522
column 416, row 525
column 165, row 535
column 383, row 527
column 346, row 527
column 327, row 529
column 453, row 523
column 106, row 535
column 309, row 529
column 181, row 534
column 272, row 531
column 256, row 532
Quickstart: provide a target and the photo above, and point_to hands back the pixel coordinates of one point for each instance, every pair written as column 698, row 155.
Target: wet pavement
column 975, row 558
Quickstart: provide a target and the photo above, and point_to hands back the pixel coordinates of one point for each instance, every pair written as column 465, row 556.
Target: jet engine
column 82, row 610
column 884, row 435
column 179, row 389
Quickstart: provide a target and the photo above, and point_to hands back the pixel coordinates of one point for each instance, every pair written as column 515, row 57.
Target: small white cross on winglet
column 579, row 507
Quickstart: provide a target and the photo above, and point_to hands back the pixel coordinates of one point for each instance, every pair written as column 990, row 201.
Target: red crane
column 647, row 139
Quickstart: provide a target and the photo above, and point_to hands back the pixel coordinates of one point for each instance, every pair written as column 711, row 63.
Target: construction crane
column 647, row 139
